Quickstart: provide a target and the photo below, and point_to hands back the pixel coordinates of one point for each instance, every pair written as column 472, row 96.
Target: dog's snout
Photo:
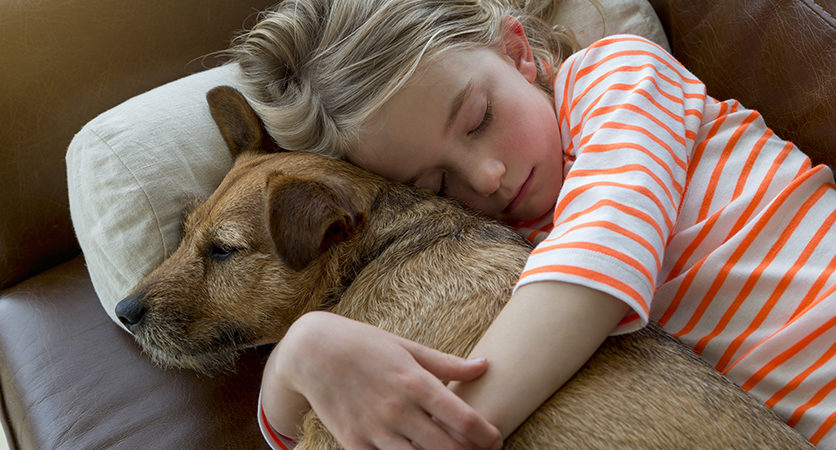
column 130, row 311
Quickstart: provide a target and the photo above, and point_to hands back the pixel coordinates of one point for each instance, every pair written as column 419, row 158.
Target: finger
column 444, row 365
column 496, row 445
column 427, row 433
column 394, row 441
column 354, row 439
column 461, row 420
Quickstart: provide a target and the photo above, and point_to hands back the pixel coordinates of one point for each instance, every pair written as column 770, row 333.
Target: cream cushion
column 133, row 169
column 589, row 24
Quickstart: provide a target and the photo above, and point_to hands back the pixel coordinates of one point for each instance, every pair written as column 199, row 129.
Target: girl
column 649, row 200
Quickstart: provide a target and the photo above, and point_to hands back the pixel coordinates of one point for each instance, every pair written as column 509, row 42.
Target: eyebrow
column 457, row 103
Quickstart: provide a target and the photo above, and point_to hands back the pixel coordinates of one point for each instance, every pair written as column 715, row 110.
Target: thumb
column 446, row 366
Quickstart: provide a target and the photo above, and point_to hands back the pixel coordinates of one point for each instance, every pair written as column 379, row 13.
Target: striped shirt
column 695, row 214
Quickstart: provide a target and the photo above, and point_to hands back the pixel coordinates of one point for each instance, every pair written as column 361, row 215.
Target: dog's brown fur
column 287, row 233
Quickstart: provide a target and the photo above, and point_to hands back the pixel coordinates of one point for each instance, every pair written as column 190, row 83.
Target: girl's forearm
column 540, row 339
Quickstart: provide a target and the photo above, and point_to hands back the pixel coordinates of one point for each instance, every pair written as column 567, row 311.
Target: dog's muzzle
column 131, row 311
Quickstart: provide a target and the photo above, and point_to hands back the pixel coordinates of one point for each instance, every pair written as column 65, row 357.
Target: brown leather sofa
column 70, row 378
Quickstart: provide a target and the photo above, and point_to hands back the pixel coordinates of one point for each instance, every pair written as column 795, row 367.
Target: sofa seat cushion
column 64, row 383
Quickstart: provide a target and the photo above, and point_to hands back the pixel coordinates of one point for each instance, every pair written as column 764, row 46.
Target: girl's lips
column 520, row 195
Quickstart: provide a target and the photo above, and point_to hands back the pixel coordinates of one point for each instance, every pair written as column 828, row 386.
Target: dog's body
column 287, row 233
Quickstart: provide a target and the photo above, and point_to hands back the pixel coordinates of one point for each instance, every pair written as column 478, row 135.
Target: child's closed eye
column 486, row 120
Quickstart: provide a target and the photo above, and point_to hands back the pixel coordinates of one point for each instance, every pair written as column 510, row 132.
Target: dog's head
column 256, row 255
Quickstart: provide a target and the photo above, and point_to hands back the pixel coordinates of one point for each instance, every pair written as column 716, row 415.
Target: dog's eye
column 220, row 252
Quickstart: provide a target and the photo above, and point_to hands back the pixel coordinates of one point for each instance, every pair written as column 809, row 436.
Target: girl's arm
column 372, row 389
column 540, row 339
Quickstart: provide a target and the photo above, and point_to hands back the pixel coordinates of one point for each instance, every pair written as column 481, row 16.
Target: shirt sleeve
column 629, row 115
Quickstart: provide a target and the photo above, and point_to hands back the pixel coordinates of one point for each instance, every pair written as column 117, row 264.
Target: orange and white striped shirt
column 695, row 214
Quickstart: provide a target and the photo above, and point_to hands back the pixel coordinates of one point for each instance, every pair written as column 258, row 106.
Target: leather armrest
column 776, row 57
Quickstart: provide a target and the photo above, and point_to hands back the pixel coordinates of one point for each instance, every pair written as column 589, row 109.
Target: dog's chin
column 209, row 364
column 214, row 355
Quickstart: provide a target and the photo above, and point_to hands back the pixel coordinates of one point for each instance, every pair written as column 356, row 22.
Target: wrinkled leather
column 71, row 379
column 62, row 64
column 778, row 57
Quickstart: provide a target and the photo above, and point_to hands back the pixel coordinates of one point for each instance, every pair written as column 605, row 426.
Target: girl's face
column 472, row 125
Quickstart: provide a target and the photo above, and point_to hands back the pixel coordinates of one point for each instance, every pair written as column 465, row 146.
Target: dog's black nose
column 130, row 311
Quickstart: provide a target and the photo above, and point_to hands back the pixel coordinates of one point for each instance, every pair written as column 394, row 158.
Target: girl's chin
column 529, row 219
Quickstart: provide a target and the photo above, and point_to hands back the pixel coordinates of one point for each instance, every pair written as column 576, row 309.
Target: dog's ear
column 240, row 126
column 305, row 217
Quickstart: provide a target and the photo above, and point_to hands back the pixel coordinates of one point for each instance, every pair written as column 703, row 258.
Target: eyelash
column 486, row 120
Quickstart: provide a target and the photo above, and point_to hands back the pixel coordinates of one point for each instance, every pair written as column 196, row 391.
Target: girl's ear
column 515, row 45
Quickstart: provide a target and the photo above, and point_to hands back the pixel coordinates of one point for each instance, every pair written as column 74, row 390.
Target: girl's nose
column 485, row 176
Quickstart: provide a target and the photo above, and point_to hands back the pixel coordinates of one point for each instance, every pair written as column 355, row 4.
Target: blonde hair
column 315, row 70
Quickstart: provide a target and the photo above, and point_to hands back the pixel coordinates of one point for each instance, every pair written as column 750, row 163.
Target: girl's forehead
column 425, row 93
column 450, row 63
column 440, row 78
column 416, row 118
column 394, row 138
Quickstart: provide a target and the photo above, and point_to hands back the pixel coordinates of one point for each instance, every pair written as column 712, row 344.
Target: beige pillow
column 615, row 17
column 133, row 169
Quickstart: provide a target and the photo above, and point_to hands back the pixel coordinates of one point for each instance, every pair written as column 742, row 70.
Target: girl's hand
column 372, row 389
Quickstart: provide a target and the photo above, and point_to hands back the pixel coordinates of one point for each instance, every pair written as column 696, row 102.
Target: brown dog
column 287, row 233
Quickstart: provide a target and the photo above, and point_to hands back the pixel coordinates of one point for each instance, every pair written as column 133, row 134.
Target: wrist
column 284, row 399
column 275, row 438
column 292, row 361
